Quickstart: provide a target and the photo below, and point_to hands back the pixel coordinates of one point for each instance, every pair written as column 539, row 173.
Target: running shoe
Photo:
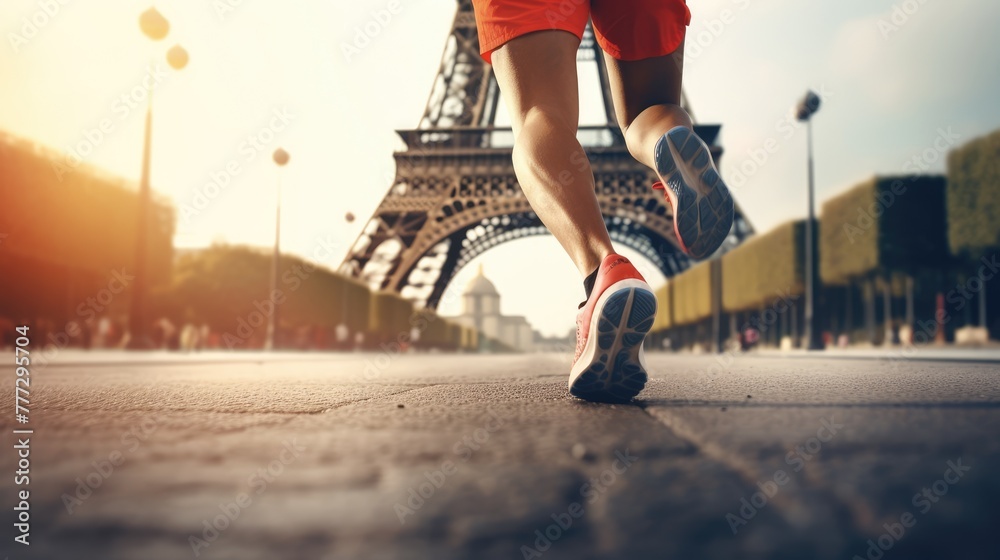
column 609, row 365
column 703, row 207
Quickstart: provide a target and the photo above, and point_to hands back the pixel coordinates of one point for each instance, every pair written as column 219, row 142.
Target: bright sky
column 265, row 74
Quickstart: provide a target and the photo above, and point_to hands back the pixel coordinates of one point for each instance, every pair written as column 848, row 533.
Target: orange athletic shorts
column 625, row 29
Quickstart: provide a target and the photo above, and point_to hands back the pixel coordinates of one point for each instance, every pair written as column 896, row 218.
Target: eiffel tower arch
column 455, row 195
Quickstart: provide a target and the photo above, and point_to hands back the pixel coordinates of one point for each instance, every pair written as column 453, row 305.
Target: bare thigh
column 537, row 71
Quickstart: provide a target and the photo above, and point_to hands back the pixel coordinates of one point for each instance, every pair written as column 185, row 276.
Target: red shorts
column 625, row 29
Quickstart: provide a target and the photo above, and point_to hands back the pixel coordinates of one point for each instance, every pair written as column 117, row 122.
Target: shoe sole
column 612, row 367
column 703, row 206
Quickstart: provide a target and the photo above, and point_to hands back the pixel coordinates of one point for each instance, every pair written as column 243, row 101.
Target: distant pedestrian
column 748, row 338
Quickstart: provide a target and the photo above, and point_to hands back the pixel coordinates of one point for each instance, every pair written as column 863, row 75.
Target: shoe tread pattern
column 704, row 213
column 616, row 374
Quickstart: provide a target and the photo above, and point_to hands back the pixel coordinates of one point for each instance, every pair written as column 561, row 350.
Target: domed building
column 481, row 310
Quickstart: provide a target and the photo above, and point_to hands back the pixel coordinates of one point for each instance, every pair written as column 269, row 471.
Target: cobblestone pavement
column 450, row 456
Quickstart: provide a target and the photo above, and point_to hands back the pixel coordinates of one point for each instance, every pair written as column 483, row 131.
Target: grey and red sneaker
column 609, row 365
column 703, row 206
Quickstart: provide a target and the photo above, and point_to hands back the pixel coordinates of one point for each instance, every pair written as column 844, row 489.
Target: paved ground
column 480, row 457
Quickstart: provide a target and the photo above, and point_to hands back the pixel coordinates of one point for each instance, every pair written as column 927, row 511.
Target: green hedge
column 974, row 197
column 83, row 220
column 693, row 294
column 389, row 315
column 764, row 267
column 433, row 329
column 222, row 284
column 664, row 308
column 883, row 225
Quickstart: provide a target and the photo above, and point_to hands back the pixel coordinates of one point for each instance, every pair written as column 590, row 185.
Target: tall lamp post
column 281, row 158
column 343, row 331
column 156, row 27
column 806, row 108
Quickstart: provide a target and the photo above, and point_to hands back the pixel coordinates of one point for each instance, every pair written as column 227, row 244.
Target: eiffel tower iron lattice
column 455, row 195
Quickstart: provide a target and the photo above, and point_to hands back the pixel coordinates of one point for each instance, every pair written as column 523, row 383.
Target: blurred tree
column 974, row 197
column 884, row 225
column 69, row 229
column 765, row 268
column 223, row 284
column 883, row 228
column 693, row 294
column 974, row 223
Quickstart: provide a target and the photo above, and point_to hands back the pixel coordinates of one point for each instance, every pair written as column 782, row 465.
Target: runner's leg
column 537, row 76
column 647, row 98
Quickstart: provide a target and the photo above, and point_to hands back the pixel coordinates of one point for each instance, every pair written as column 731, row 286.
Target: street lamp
column 806, row 108
column 156, row 27
column 153, row 24
column 281, row 158
column 177, row 57
column 343, row 332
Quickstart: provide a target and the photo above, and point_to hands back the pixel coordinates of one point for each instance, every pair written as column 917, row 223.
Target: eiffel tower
column 455, row 195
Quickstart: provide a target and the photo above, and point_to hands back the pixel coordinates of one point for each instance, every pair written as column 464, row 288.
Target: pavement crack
column 375, row 397
column 744, row 469
column 788, row 504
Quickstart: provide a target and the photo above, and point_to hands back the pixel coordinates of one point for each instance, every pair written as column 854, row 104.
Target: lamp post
column 156, row 27
column 343, row 332
column 806, row 108
column 281, row 158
